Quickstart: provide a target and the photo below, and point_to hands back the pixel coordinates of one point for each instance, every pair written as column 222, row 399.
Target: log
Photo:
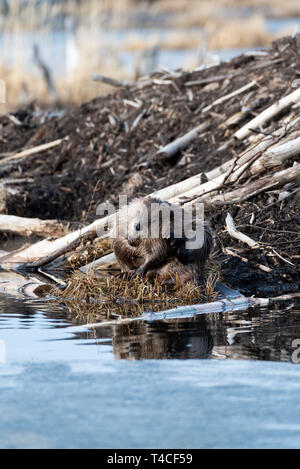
column 13, row 283
column 26, row 254
column 28, row 226
column 175, row 190
column 267, row 114
column 69, row 242
column 274, row 156
column 277, row 154
column 260, row 185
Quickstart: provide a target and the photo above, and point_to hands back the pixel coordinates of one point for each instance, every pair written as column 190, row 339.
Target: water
column 213, row 381
column 58, row 47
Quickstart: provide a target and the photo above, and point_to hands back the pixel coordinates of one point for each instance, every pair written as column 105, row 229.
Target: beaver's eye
column 137, row 227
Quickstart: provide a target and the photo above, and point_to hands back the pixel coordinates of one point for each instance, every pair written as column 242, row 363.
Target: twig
column 282, row 258
column 231, row 228
column 111, row 81
column 205, row 81
column 230, row 95
column 262, row 267
column 32, row 151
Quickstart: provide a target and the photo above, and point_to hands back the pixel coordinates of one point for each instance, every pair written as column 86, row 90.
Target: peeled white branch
column 260, row 185
column 272, row 157
column 29, row 226
column 229, row 96
column 108, row 262
column 267, row 114
column 234, row 233
column 182, row 142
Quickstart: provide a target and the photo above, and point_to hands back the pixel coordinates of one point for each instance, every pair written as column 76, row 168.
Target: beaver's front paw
column 126, row 275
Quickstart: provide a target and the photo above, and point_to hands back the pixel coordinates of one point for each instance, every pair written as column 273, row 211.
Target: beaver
column 148, row 238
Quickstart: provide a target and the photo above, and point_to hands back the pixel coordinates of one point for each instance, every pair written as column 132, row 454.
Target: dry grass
column 196, row 12
column 217, row 33
column 90, row 297
column 23, row 87
column 248, row 32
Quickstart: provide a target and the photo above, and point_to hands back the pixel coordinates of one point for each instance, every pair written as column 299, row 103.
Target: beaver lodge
column 226, row 135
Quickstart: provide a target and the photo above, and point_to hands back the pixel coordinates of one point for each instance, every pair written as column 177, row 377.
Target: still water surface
column 219, row 380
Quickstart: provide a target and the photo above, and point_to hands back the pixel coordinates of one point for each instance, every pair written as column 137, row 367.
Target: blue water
column 219, row 381
column 57, row 47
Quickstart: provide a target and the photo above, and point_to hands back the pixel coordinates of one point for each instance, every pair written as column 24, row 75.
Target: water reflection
column 163, row 339
column 256, row 334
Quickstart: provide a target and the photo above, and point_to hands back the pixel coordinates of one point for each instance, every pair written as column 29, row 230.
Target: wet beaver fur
column 139, row 252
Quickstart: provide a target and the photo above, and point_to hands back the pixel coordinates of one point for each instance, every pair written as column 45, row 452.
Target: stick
column 230, row 95
column 182, row 142
column 262, row 267
column 32, row 151
column 111, row 81
column 267, row 114
column 231, row 228
column 287, row 297
column 226, row 305
column 205, row 81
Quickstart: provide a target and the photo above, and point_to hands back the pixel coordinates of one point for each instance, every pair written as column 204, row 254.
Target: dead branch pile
column 227, row 135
